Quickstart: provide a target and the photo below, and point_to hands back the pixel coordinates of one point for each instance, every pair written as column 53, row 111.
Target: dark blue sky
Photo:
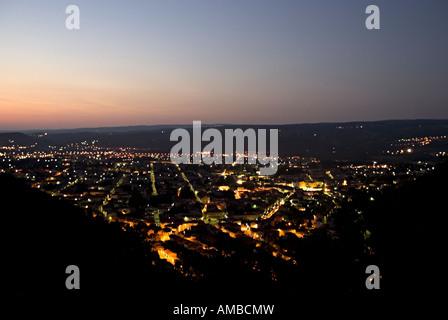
column 221, row 61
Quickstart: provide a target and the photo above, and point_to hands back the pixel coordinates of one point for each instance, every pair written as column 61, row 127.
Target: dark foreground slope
column 408, row 234
column 44, row 235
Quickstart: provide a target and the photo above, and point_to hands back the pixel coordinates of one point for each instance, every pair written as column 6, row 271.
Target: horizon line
column 212, row 124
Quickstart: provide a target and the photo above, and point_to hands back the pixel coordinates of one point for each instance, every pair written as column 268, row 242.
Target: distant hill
column 108, row 129
column 340, row 141
column 16, row 138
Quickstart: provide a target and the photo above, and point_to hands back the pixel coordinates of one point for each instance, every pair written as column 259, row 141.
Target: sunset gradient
column 253, row 62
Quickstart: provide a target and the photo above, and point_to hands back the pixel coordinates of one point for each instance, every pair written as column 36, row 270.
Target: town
column 189, row 213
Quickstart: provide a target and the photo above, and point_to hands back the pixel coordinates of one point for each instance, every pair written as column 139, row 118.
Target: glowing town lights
column 409, row 150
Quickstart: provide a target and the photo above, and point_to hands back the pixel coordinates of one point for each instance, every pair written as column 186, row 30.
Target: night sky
column 232, row 61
